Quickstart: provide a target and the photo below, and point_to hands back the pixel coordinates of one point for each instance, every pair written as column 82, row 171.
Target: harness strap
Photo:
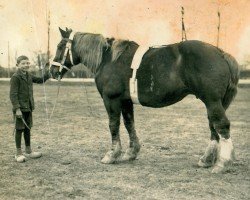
column 71, row 36
column 67, row 50
column 69, row 44
column 70, row 52
column 60, row 65
column 133, row 87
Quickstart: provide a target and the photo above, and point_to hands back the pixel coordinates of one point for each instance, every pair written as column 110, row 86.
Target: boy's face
column 24, row 65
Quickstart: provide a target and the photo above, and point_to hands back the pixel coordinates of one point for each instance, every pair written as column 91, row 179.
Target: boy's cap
column 20, row 58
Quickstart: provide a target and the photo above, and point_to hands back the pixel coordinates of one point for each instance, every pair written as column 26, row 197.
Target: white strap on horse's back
column 135, row 65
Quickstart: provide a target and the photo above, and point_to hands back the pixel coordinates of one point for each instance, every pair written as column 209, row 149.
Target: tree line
column 40, row 60
column 80, row 71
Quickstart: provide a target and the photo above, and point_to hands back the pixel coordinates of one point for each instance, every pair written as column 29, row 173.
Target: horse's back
column 204, row 69
column 198, row 51
column 168, row 74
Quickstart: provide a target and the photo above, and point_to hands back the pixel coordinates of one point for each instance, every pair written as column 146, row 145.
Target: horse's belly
column 157, row 100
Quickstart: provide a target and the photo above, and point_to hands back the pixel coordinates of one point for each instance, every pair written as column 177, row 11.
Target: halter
column 67, row 50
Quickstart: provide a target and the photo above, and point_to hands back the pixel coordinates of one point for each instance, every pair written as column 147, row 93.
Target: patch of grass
column 77, row 137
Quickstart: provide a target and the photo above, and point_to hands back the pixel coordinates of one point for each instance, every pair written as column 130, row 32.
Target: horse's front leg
column 128, row 117
column 113, row 107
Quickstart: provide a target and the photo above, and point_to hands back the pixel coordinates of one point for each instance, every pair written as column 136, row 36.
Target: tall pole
column 8, row 59
column 15, row 54
column 218, row 29
column 183, row 32
column 48, row 50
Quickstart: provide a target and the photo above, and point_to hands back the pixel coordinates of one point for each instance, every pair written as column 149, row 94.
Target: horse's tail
column 233, row 82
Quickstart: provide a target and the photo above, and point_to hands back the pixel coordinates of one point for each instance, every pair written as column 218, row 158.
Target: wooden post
column 48, row 50
column 218, row 28
column 183, row 32
column 39, row 60
column 8, row 59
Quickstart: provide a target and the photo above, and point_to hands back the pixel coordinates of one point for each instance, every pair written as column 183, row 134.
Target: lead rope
column 87, row 97
column 45, row 100
column 55, row 103
column 14, row 131
column 24, row 122
column 61, row 65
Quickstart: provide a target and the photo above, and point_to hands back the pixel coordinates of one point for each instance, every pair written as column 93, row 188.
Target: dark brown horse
column 165, row 76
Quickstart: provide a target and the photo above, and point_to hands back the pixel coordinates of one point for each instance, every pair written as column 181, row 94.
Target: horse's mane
column 90, row 49
column 118, row 47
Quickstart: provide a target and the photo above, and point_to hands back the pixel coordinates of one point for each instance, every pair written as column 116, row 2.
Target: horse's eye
column 61, row 45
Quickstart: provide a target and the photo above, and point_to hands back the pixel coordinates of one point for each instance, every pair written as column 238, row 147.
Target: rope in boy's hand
column 20, row 116
column 18, row 113
column 25, row 124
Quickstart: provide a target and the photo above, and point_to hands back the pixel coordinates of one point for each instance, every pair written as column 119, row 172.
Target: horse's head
column 91, row 49
column 64, row 58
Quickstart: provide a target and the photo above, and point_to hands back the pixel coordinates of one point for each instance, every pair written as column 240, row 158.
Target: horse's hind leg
column 113, row 107
column 221, row 124
column 210, row 156
column 128, row 117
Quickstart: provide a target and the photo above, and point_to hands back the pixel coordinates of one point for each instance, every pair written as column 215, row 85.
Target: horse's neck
column 107, row 58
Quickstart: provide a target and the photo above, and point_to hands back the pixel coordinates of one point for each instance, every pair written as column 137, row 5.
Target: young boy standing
column 21, row 96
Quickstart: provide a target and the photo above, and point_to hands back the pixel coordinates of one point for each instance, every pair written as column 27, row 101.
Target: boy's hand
column 18, row 113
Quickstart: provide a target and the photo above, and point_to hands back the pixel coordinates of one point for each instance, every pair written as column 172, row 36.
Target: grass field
column 77, row 137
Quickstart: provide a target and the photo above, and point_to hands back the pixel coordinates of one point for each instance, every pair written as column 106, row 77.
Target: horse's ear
column 62, row 32
column 68, row 29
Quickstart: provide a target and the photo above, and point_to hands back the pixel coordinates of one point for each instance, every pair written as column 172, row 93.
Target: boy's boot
column 31, row 154
column 19, row 157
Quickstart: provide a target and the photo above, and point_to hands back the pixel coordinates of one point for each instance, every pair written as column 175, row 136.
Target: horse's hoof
column 126, row 157
column 110, row 157
column 201, row 164
column 129, row 155
column 217, row 169
column 107, row 160
column 204, row 164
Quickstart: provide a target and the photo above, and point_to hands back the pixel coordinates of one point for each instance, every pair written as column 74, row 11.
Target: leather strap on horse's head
column 68, row 49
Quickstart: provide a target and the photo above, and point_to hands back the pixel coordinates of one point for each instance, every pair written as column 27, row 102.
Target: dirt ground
column 77, row 137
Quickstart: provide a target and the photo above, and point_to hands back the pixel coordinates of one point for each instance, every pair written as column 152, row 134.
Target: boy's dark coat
column 21, row 90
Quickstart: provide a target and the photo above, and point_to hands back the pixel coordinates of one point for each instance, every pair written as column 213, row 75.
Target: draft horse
column 165, row 76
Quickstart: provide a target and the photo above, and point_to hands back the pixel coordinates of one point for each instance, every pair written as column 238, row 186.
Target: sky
column 147, row 22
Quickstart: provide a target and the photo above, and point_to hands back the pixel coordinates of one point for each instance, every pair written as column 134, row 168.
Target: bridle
column 66, row 51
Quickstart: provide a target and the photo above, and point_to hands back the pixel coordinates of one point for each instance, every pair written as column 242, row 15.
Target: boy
column 21, row 96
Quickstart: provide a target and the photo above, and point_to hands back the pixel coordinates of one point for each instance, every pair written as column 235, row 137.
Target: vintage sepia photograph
column 125, row 99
